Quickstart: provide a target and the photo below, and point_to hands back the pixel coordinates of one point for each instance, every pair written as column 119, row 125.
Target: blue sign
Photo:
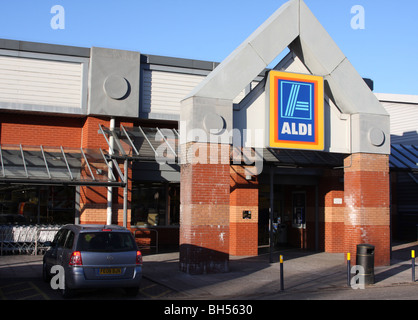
column 296, row 111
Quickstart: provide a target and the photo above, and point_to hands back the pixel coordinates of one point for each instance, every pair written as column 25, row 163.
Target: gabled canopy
column 293, row 25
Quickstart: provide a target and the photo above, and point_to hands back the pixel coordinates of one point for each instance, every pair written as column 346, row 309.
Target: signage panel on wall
column 296, row 111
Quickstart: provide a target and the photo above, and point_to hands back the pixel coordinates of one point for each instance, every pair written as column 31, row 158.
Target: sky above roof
column 379, row 37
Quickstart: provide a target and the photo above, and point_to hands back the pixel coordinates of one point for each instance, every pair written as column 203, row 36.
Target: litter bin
column 365, row 258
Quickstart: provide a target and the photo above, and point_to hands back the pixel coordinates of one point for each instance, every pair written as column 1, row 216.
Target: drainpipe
column 271, row 213
column 125, row 194
column 110, row 189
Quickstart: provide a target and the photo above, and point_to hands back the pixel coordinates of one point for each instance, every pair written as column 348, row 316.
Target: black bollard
column 281, row 274
column 348, row 268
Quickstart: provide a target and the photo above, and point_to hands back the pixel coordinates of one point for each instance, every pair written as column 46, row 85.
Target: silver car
column 93, row 256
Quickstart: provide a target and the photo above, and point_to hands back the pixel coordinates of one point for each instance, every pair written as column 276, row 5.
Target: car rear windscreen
column 106, row 242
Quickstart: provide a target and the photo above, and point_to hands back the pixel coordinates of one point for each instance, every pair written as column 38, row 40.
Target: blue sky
column 386, row 50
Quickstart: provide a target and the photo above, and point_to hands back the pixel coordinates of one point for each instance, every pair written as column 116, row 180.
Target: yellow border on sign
column 318, row 144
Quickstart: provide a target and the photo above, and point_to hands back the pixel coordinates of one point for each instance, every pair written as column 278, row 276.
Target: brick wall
column 94, row 199
column 243, row 233
column 68, row 132
column 332, row 208
column 38, row 130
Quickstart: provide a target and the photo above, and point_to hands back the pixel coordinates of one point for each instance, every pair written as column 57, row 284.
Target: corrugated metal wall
column 162, row 91
column 403, row 111
column 40, row 82
column 403, row 122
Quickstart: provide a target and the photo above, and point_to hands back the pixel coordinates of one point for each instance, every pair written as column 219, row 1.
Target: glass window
column 37, row 204
column 149, row 204
column 70, row 240
column 155, row 204
column 174, row 208
column 106, row 242
column 299, row 209
column 60, row 237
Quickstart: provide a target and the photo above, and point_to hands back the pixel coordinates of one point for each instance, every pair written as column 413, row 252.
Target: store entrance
column 279, row 218
column 295, row 211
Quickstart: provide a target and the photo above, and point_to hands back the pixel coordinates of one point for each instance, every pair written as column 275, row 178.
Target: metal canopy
column 404, row 158
column 287, row 157
column 143, row 143
column 154, row 144
column 55, row 166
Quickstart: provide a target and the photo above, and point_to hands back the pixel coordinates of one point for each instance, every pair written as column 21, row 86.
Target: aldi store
column 212, row 156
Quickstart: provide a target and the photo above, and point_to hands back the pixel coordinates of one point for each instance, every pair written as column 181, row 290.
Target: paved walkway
column 249, row 277
column 256, row 276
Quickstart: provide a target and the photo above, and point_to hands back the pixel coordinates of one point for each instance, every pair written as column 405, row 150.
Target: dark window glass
column 60, row 237
column 106, row 242
column 70, row 240
column 155, row 204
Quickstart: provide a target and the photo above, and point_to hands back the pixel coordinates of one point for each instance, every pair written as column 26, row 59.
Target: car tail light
column 139, row 258
column 75, row 259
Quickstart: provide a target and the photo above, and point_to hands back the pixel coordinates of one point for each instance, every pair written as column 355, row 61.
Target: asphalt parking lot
column 21, row 279
column 307, row 275
column 37, row 289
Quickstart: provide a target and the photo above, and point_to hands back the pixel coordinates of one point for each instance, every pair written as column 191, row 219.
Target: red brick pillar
column 204, row 215
column 367, row 201
column 244, row 197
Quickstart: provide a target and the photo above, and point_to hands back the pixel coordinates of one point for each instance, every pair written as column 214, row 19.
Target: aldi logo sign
column 296, row 111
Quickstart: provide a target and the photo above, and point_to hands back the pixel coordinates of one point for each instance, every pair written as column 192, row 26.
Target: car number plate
column 110, row 271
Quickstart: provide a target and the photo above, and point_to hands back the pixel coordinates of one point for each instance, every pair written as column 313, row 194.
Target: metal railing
column 43, row 235
column 25, row 239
